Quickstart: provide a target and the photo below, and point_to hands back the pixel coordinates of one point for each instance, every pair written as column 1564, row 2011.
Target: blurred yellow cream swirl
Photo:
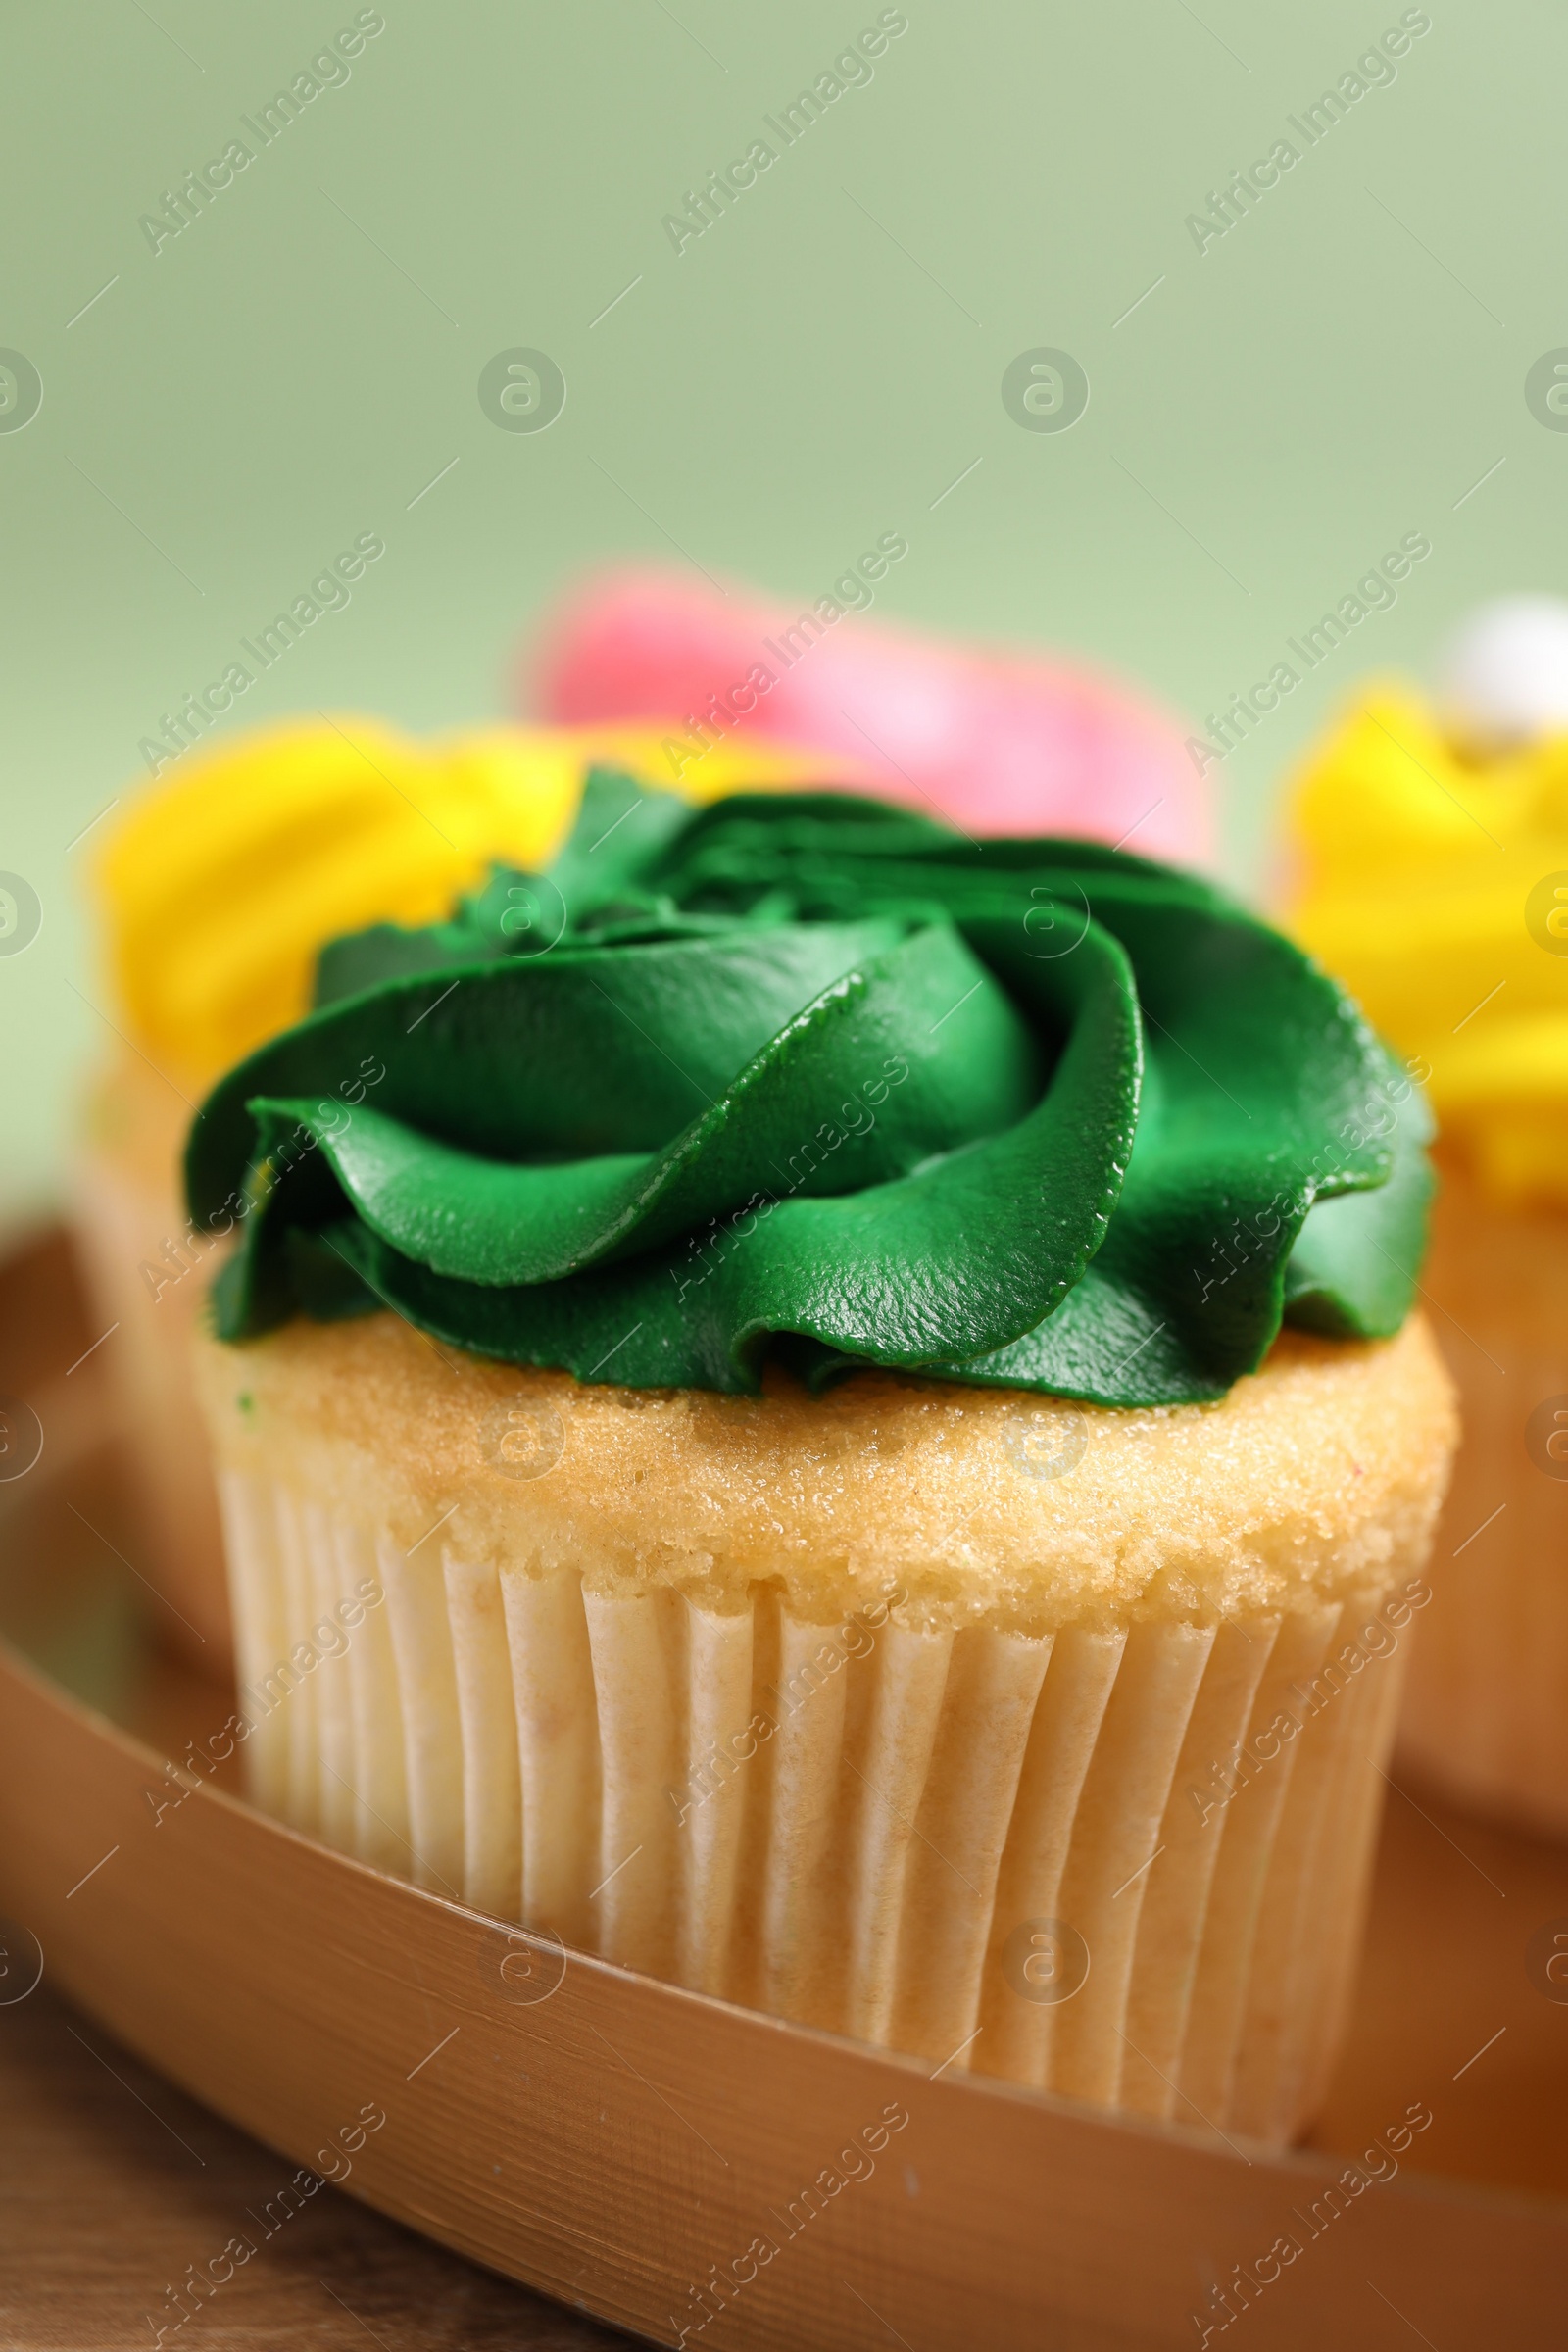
column 220, row 884
column 1426, row 880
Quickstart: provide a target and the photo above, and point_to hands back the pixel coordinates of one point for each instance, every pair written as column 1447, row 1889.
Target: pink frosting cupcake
column 993, row 742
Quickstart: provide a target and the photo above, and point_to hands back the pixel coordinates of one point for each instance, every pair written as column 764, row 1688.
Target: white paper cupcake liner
column 1127, row 1862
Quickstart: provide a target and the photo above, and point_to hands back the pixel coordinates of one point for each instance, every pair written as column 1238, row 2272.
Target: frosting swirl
column 1434, row 881
column 815, row 1079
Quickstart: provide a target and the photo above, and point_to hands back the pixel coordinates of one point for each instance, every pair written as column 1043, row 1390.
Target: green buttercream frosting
column 809, row 1078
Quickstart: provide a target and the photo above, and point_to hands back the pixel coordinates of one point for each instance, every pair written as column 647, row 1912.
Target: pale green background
column 234, row 411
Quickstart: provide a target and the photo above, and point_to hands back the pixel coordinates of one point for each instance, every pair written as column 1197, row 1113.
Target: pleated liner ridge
column 1059, row 1859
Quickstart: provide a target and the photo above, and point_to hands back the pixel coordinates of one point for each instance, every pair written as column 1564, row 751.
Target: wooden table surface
column 111, row 2181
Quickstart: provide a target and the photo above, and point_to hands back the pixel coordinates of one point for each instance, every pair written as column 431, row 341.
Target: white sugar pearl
column 1504, row 674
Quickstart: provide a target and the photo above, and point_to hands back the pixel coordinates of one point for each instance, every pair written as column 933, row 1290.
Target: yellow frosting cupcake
column 1432, row 877
column 1428, row 880
column 215, row 889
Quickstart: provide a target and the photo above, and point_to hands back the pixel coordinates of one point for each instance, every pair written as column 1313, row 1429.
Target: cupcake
column 847, row 1434
column 216, row 889
column 1431, row 876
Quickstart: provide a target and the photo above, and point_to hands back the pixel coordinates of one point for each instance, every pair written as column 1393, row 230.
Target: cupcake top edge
column 1313, row 1480
column 816, row 1083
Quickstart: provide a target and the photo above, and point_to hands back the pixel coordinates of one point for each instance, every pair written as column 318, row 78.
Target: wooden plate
column 672, row 2163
